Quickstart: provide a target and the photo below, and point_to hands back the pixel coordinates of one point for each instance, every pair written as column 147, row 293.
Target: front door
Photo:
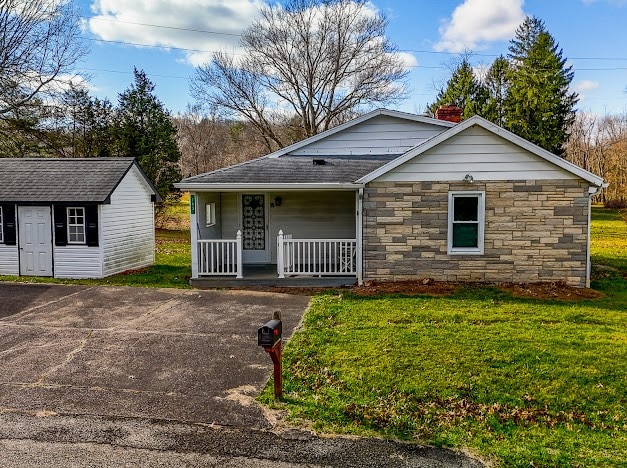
column 35, row 238
column 255, row 242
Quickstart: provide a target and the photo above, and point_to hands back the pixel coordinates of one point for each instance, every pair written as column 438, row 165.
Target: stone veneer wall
column 534, row 231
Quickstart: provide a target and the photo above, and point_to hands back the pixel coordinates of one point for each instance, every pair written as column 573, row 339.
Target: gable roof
column 290, row 171
column 63, row 180
column 351, row 123
column 489, row 126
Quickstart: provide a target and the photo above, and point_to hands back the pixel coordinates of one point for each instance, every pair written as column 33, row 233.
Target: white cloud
column 584, row 87
column 408, row 59
column 187, row 21
column 475, row 23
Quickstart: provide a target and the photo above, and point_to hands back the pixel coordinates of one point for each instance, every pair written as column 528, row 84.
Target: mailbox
column 270, row 333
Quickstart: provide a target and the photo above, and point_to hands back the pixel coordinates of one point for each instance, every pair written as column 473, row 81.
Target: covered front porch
column 281, row 238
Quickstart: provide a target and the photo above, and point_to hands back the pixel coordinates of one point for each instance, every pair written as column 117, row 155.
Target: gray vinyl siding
column 9, row 261
column 208, row 232
column 379, row 135
column 478, row 152
column 229, row 215
column 127, row 226
column 313, row 215
column 304, row 215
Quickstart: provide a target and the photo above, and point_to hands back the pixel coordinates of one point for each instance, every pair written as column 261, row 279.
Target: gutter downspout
column 592, row 192
column 360, row 236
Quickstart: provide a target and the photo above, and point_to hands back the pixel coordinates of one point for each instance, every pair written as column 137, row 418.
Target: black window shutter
column 8, row 224
column 91, row 225
column 60, row 225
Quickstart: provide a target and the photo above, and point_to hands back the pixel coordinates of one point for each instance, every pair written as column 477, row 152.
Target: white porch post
column 279, row 255
column 238, row 238
column 193, row 227
column 360, row 234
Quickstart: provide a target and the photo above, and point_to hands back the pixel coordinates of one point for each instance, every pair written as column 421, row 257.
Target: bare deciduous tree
column 202, row 141
column 320, row 60
column 208, row 143
column 599, row 144
column 39, row 43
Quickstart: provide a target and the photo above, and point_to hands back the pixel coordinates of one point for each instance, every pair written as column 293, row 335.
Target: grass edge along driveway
column 518, row 381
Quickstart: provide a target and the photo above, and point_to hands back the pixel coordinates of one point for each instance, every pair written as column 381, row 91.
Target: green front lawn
column 518, row 381
column 609, row 238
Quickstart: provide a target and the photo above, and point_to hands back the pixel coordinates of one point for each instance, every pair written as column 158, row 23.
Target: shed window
column 466, row 212
column 1, row 226
column 76, row 225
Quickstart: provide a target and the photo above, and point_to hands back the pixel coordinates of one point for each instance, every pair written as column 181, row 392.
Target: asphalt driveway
column 179, row 355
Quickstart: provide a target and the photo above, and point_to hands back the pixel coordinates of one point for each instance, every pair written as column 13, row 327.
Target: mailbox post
column 269, row 337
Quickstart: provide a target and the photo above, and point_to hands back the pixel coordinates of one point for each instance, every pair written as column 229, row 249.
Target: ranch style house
column 394, row 196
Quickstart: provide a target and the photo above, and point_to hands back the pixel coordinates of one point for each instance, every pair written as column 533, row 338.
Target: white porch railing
column 220, row 257
column 316, row 256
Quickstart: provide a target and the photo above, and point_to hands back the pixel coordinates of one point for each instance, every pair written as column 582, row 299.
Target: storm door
column 255, row 242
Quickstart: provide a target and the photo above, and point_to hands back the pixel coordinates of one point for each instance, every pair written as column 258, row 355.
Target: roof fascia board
column 357, row 121
column 143, row 174
column 493, row 128
column 54, row 202
column 133, row 163
column 192, row 187
column 128, row 168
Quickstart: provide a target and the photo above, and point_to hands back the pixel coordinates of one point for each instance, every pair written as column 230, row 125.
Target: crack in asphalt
column 291, row 447
column 17, row 348
column 237, row 395
column 160, row 308
column 126, row 331
column 69, row 358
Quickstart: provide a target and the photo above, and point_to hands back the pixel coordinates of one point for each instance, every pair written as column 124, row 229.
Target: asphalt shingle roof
column 295, row 169
column 60, row 180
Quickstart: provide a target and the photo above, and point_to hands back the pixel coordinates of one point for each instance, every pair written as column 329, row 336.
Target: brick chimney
column 449, row 113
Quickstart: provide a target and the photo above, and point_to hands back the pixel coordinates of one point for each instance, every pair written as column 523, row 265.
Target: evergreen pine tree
column 462, row 90
column 146, row 132
column 539, row 105
column 496, row 84
column 525, row 36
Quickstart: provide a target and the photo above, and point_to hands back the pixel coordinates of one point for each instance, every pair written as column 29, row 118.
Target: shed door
column 35, row 239
column 255, row 242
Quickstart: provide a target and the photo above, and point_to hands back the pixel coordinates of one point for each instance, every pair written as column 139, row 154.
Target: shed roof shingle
column 89, row 180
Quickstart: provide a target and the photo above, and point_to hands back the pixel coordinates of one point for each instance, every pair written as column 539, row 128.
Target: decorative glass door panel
column 254, row 235
column 253, row 222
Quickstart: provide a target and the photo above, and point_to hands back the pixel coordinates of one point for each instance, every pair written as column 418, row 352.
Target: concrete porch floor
column 267, row 276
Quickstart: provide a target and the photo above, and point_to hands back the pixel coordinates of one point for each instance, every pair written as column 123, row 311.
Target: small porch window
column 76, row 225
column 210, row 214
column 466, row 212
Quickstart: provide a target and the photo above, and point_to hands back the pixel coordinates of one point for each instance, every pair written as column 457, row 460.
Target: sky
column 169, row 38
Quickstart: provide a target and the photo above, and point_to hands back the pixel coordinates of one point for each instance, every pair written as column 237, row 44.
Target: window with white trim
column 466, row 213
column 210, row 214
column 1, row 226
column 75, row 225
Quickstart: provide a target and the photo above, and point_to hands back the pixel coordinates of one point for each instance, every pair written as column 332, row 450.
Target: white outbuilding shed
column 75, row 218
